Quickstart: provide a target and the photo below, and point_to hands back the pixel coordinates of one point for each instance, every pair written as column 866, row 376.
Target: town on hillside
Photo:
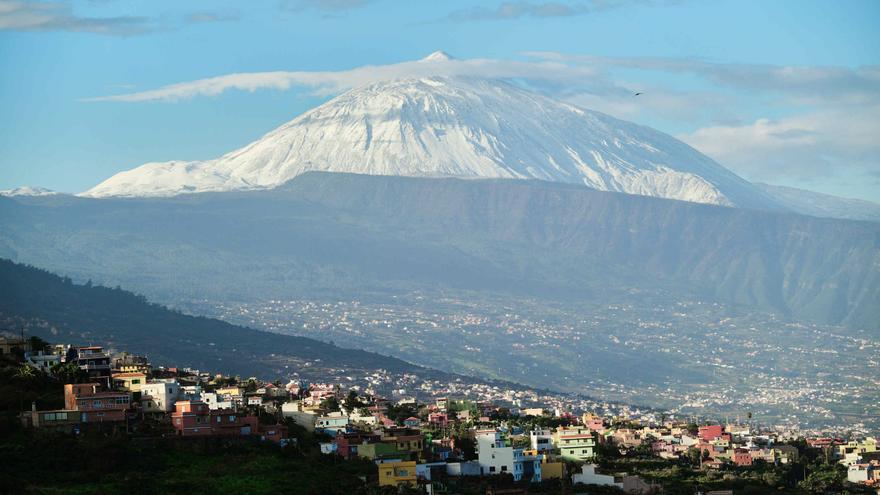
column 409, row 443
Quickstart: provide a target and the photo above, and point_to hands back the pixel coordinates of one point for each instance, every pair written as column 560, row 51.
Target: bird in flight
column 637, row 94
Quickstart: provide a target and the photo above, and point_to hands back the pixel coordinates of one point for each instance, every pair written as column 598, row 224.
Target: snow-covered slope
column 822, row 205
column 441, row 126
column 28, row 191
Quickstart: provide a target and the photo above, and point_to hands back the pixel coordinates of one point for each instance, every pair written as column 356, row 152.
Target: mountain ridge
column 331, row 232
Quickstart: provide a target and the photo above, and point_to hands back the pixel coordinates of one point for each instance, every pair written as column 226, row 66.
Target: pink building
column 96, row 406
column 193, row 418
column 711, row 432
column 440, row 419
column 742, row 457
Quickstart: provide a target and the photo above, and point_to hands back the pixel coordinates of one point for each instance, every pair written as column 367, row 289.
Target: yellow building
column 233, row 390
column 130, row 382
column 549, row 470
column 397, row 473
column 852, row 450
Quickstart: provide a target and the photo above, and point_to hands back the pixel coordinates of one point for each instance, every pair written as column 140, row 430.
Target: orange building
column 96, row 406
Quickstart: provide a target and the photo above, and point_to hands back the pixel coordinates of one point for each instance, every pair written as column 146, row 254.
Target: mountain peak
column 28, row 191
column 438, row 56
column 455, row 127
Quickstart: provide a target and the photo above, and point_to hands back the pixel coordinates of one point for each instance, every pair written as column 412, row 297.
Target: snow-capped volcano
column 28, row 191
column 454, row 127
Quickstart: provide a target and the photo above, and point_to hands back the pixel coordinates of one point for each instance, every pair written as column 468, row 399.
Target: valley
column 687, row 357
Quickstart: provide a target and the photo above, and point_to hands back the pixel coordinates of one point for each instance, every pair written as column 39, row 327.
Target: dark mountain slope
column 73, row 313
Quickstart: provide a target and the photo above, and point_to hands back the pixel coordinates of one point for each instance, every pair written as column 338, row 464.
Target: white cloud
column 332, row 82
column 510, row 10
column 802, row 85
column 323, row 5
column 45, row 16
column 804, row 147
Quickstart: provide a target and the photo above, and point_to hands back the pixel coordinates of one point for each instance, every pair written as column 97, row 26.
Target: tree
column 352, row 401
column 824, row 479
column 771, row 479
column 38, row 344
column 69, row 373
column 330, row 404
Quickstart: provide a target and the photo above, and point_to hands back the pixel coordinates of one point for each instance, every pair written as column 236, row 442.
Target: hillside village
column 443, row 444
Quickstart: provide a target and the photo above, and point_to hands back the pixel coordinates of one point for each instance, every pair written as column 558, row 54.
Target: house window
column 96, row 403
column 503, row 469
column 491, row 469
column 219, row 419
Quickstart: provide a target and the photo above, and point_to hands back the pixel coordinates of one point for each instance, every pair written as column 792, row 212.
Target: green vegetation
column 684, row 477
column 49, row 463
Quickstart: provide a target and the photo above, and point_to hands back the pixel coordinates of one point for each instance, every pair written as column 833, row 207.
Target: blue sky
column 786, row 92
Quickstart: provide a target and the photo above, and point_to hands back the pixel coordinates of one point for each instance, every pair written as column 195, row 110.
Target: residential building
column 863, row 473
column 347, row 444
column 62, row 420
column 130, row 382
column 588, row 476
column 97, row 406
column 549, row 469
column 194, row 418
column 496, row 457
column 438, row 419
column 593, row 422
column 13, row 345
column 41, row 360
column 159, row 396
column 332, row 424
column 381, row 451
column 541, row 440
column 405, row 439
column 129, row 363
column 850, row 452
column 295, row 411
column 742, row 457
column 711, row 432
column 94, row 361
column 575, row 443
column 216, row 401
column 397, row 473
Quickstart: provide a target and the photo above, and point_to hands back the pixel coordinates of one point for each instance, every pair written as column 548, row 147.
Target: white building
column 160, row 395
column 295, row 411
column 41, row 361
column 588, row 476
column 336, row 423
column 217, row 401
column 356, row 417
column 541, row 440
column 860, row 473
column 495, row 457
